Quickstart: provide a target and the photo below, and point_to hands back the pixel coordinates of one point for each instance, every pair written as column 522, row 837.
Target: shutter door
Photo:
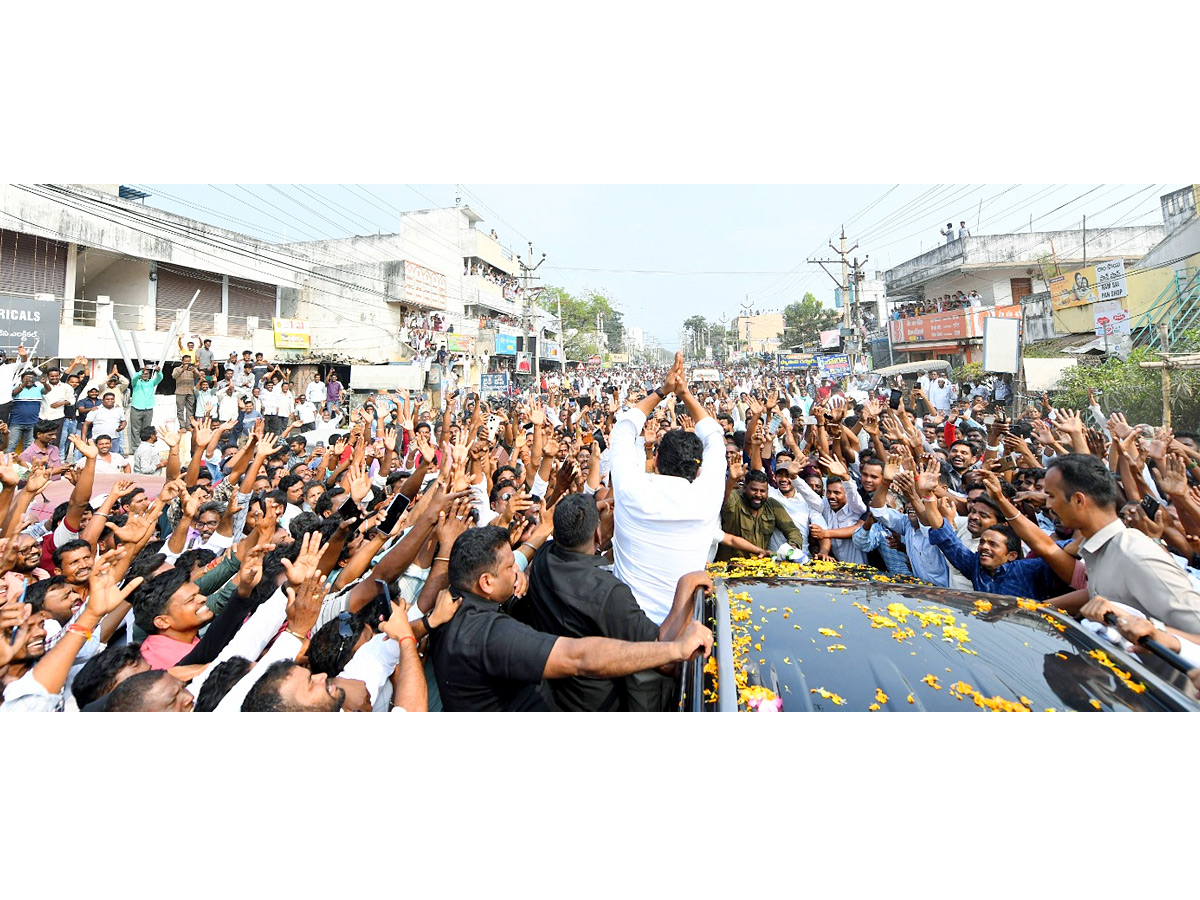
column 250, row 298
column 31, row 264
column 176, row 286
column 1021, row 287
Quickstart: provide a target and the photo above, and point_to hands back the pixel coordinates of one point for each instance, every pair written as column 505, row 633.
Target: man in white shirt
column 941, row 394
column 56, row 395
column 665, row 520
column 107, row 418
column 107, row 462
column 786, row 476
column 315, row 392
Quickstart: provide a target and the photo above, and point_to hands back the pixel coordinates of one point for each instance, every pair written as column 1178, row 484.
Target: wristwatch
column 425, row 621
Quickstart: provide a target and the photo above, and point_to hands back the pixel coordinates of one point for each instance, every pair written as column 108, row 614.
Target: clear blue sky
column 761, row 233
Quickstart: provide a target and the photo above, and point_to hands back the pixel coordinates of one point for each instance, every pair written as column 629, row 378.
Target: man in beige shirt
column 1123, row 564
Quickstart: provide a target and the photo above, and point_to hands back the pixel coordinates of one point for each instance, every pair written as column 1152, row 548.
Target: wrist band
column 81, row 631
column 407, row 637
column 445, row 559
column 300, row 637
column 529, row 545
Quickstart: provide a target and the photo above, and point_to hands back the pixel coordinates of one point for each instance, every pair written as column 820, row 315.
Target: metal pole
column 1085, row 241
column 1164, row 338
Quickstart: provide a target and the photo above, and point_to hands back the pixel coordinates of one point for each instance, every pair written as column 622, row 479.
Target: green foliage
column 1134, row 391
column 972, row 372
column 804, row 322
column 579, row 316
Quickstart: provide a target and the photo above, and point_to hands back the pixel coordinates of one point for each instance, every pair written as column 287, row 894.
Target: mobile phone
column 680, row 409
column 587, row 439
column 776, row 421
column 989, row 420
column 1150, row 505
column 395, row 511
column 809, row 420
column 896, row 397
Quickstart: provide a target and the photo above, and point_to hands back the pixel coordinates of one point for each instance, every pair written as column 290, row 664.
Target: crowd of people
column 932, row 305
column 540, row 551
column 510, row 283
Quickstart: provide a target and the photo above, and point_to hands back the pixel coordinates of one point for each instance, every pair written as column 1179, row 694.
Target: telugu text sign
column 291, row 334
column 493, row 384
column 1110, row 280
column 29, row 321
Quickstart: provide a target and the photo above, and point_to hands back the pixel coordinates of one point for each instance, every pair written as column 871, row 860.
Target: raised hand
column 1069, row 422
column 834, row 466
column 304, row 602
column 1172, row 475
column 37, row 479
column 306, row 562
column 359, row 482
column 1119, row 427
column 250, row 573
column 84, row 448
column 267, row 444
column 170, row 436
column 9, row 476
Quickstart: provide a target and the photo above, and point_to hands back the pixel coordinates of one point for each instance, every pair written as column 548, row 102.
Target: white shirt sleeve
column 251, row 638
column 627, row 465
column 373, row 664
column 287, row 646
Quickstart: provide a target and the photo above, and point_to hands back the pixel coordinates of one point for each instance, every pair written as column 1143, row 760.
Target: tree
column 696, row 326
column 804, row 322
column 579, row 320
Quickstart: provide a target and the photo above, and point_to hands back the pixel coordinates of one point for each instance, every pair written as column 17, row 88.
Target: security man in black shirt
column 487, row 661
column 572, row 595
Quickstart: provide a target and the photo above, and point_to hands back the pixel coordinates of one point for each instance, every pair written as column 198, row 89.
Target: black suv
column 851, row 639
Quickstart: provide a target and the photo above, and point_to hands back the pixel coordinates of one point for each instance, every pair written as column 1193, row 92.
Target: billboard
column 834, row 366
column 459, row 343
column 956, row 325
column 552, row 350
column 1074, row 288
column 291, row 334
column 493, row 384
column 29, row 321
column 618, row 359
column 795, row 361
column 506, row 345
column 524, row 366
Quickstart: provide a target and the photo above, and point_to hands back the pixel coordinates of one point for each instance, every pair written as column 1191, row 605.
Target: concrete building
column 1008, row 272
column 103, row 258
column 762, row 333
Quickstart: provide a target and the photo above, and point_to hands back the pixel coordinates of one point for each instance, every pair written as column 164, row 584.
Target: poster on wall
column 1111, row 319
column 506, row 345
column 459, row 343
column 1074, row 288
column 524, row 367
column 291, row 334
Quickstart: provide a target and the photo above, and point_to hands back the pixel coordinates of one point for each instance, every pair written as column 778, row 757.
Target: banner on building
column 1110, row 280
column 831, row 339
column 1074, row 288
column 459, row 343
column 506, row 345
column 1111, row 319
column 619, row 359
column 424, row 287
column 493, row 384
column 29, row 321
column 552, row 350
column 524, row 365
column 291, row 334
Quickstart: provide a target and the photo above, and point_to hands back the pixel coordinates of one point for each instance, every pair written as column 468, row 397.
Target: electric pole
column 531, row 295
column 843, row 285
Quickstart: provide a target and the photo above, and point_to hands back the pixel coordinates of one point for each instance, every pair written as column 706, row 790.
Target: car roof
column 869, row 642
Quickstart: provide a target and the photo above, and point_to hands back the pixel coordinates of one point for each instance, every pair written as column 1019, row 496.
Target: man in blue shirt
column 26, row 406
column 997, row 567
column 927, row 562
